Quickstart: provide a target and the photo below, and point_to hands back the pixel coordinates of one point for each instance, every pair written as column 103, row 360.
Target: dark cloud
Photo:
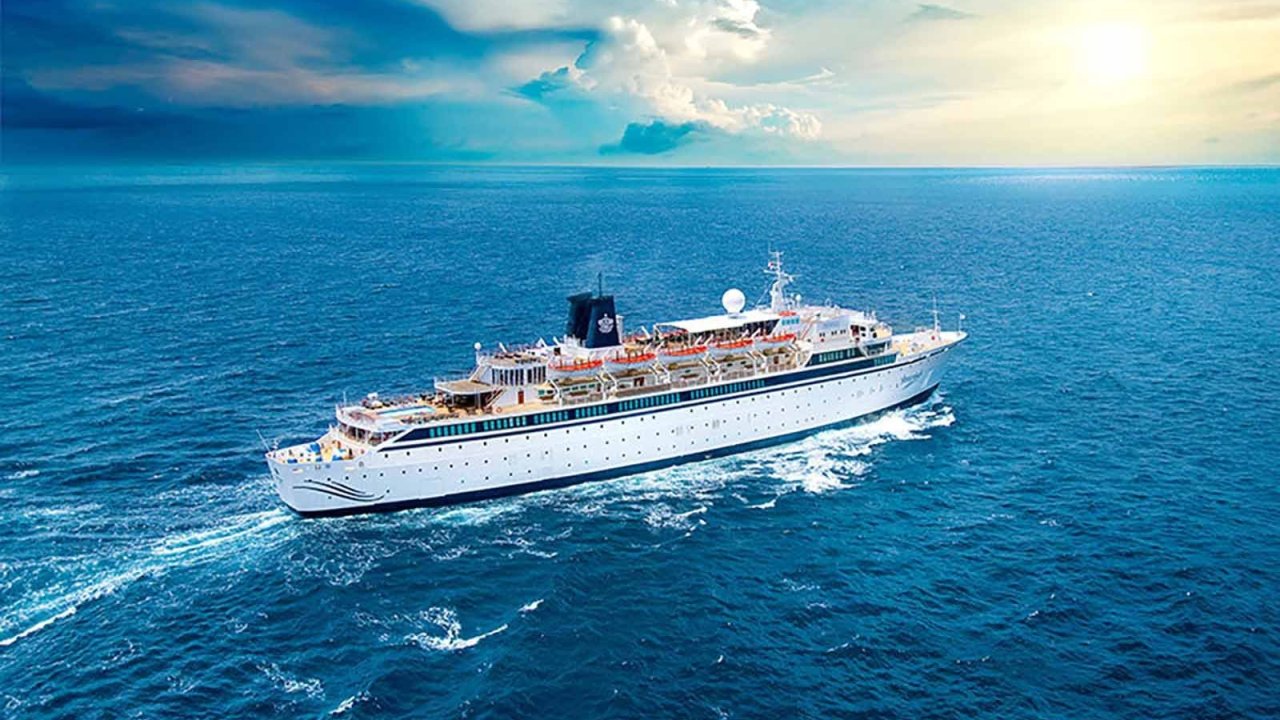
column 547, row 83
column 26, row 108
column 131, row 48
column 40, row 128
column 245, row 78
column 653, row 138
column 1255, row 84
column 746, row 30
column 927, row 12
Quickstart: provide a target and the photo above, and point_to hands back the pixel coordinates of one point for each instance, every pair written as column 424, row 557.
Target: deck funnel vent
column 592, row 320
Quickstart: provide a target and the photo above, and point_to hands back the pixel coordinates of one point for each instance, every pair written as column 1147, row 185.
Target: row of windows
column 726, row 389
column 520, row 376
column 647, row 402
column 504, row 423
column 848, row 354
column 550, row 417
column 451, row 430
column 834, row 356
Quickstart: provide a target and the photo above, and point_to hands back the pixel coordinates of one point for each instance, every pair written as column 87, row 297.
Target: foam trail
column 205, row 539
column 38, row 626
column 447, row 620
column 166, row 554
column 828, row 461
column 530, row 607
column 71, row 603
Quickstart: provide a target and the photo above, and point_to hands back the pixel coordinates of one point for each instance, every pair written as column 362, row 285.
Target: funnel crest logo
column 605, row 324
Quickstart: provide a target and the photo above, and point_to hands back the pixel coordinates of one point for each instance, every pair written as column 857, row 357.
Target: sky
column 664, row 82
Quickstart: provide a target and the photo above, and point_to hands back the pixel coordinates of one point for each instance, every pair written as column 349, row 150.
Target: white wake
column 160, row 556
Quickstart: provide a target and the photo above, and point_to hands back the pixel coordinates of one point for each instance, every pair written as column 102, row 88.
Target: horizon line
column 7, row 165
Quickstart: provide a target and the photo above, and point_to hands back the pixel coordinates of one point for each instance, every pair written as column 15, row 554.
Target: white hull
column 451, row 470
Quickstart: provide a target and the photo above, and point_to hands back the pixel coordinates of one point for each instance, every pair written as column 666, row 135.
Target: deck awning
column 464, row 387
column 698, row 326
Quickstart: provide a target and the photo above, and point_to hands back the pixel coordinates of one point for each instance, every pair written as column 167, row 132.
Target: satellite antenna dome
column 733, row 301
column 477, row 347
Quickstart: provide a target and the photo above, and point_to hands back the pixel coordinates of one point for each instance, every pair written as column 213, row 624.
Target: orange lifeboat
column 678, row 354
column 732, row 347
column 574, row 368
column 630, row 362
column 777, row 340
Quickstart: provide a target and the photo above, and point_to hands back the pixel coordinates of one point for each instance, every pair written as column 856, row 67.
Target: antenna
column 937, row 327
column 777, row 291
column 600, row 283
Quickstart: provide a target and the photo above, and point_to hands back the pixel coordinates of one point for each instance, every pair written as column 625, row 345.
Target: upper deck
column 393, row 415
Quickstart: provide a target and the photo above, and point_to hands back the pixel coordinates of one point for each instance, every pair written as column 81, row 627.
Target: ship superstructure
column 599, row 403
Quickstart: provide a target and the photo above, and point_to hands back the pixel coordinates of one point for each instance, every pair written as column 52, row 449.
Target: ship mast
column 777, row 292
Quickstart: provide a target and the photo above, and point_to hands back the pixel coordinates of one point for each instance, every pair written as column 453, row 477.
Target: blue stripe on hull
column 560, row 482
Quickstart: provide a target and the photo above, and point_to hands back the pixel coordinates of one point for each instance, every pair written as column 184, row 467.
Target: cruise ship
column 599, row 403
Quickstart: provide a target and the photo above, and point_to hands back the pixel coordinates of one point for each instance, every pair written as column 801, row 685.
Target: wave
column 830, row 460
column 662, row 516
column 473, row 515
column 452, row 640
column 61, row 511
column 313, row 687
column 350, row 702
column 530, row 607
column 766, row 505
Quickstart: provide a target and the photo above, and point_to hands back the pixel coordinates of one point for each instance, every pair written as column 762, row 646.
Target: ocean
column 1083, row 522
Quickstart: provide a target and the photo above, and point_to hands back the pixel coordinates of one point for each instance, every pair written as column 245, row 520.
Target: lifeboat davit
column 574, row 368
column 732, row 347
column 630, row 362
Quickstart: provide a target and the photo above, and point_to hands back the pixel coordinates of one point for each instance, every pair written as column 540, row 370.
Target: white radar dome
column 733, row 301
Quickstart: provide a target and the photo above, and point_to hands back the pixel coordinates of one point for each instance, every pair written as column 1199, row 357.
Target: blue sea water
column 1082, row 523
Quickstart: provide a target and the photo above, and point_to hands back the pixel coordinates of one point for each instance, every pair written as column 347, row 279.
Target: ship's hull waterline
column 760, row 412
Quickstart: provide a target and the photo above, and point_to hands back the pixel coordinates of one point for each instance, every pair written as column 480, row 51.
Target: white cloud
column 652, row 70
column 726, row 28
column 489, row 15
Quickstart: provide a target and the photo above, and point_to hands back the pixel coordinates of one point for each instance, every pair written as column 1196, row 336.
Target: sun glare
column 1113, row 53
